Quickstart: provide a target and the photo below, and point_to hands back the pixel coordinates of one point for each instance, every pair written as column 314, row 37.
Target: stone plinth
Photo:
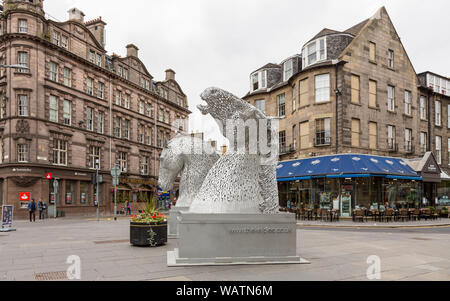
column 235, row 239
column 173, row 221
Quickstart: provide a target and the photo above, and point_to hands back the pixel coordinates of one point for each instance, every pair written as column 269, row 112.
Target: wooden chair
column 415, row 215
column 317, row 215
column 324, row 215
column 389, row 216
column 436, row 215
column 359, row 215
column 403, row 214
column 425, row 213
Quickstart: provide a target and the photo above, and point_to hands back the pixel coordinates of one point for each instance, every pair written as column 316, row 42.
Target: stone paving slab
column 405, row 254
column 370, row 224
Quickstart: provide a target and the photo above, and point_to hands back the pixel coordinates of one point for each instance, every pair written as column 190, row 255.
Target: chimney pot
column 132, row 50
column 76, row 15
column 170, row 74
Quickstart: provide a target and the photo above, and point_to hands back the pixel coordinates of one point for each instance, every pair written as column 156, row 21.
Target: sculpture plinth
column 235, row 239
column 173, row 221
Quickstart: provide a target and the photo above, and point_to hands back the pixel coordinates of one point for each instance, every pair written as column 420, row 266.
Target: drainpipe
column 430, row 93
column 337, row 94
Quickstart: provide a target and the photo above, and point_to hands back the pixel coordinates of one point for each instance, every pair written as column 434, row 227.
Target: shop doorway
column 347, row 192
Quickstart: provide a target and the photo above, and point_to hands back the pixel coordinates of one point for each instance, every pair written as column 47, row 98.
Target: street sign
column 115, row 171
column 115, row 181
column 24, row 196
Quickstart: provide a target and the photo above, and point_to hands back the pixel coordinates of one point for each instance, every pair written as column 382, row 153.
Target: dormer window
column 56, row 38
column 288, row 70
column 314, row 52
column 259, row 80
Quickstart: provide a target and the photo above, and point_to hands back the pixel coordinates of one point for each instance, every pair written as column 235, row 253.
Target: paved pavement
column 105, row 253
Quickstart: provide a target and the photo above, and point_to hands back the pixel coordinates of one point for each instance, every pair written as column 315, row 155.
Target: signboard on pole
column 7, row 218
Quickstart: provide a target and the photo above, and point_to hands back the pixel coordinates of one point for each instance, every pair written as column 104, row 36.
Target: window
column 123, row 161
column 180, row 101
column 90, row 119
column 23, row 61
column 408, row 140
column 141, row 133
column 23, row 26
column 161, row 115
column 67, row 77
column 92, row 56
column 423, row 107
column 22, row 153
column 99, row 60
column 294, row 136
column 126, row 101
column 64, row 41
column 23, row 105
column 53, row 108
column 90, row 86
column 355, row 85
column 304, row 93
column 314, row 52
column 391, row 59
column 282, row 141
column 59, row 152
column 304, row 135
column 372, row 51
column 70, row 192
column 148, row 110
column 166, row 117
column 391, row 98
column 148, row 136
column 261, row 105
column 294, row 98
column 84, row 192
column 56, row 38
column 125, row 73
column 117, row 127
column 373, row 94
column 53, row 71
column 391, row 137
column 118, row 98
column 356, row 131
column 144, row 166
column 423, row 142
column 101, row 90
column 322, row 88
column 288, row 70
column 438, row 113
column 67, row 112
column 439, row 149
column 126, row 133
column 448, row 116
column 407, row 102
column 448, row 151
column 259, row 80
column 281, row 105
column 101, row 122
column 373, row 135
column 145, row 83
column 163, row 93
column 94, row 157
column 141, row 107
column 323, row 132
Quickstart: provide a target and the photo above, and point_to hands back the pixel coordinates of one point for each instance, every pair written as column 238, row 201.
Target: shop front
column 346, row 182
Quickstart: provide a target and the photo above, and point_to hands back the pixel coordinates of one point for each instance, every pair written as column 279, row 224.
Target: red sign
column 49, row 176
column 24, row 196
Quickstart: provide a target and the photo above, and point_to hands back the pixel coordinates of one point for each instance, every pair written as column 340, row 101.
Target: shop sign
column 7, row 216
column 432, row 168
column 21, row 170
column 81, row 174
column 24, row 196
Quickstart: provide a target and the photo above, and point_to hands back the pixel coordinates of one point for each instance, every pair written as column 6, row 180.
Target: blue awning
column 345, row 166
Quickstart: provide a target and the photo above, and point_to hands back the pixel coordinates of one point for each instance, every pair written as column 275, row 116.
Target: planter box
column 148, row 235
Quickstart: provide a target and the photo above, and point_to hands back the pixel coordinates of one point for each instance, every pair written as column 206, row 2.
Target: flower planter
column 148, row 235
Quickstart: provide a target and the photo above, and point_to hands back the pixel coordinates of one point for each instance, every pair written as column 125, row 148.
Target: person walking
column 128, row 208
column 41, row 209
column 32, row 210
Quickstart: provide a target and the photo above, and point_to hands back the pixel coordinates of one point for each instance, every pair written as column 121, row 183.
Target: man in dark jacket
column 32, row 210
column 41, row 208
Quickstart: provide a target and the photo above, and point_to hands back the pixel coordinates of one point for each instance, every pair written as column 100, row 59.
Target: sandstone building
column 74, row 107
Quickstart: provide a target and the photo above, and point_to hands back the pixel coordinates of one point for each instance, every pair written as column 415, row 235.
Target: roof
column 267, row 66
column 348, row 165
column 354, row 30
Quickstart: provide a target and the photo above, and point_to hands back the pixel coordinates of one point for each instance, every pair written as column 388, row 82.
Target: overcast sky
column 220, row 42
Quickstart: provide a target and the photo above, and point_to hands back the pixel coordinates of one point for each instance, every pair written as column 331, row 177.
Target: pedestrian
column 32, row 210
column 128, row 208
column 41, row 209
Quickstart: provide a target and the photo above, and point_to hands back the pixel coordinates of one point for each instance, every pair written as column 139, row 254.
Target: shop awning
column 345, row 166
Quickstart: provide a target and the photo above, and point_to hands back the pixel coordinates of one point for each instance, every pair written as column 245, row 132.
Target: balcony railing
column 409, row 147
column 284, row 150
column 391, row 145
column 322, row 141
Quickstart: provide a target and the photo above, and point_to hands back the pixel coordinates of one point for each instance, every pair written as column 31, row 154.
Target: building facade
column 74, row 108
column 353, row 92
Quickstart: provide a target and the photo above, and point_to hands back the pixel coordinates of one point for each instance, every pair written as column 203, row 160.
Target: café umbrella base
column 148, row 235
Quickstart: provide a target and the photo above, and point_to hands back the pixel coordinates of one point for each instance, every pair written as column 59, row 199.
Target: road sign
column 115, row 181
column 115, row 171
column 24, row 196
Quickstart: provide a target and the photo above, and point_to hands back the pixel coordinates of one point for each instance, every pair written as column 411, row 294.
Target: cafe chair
column 415, row 215
column 390, row 214
column 359, row 215
column 403, row 215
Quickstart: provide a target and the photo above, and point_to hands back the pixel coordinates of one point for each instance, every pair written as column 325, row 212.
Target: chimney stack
column 132, row 50
column 76, row 15
column 170, row 74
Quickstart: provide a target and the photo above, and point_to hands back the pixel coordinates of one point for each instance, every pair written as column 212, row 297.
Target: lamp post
column 97, row 162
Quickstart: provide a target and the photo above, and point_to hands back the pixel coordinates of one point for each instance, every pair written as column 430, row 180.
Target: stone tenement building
column 74, row 106
column 355, row 91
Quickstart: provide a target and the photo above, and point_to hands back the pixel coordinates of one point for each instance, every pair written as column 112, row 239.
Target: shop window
column 84, row 193
column 70, row 192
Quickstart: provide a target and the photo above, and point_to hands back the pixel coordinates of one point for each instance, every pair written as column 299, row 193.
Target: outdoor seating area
column 325, row 215
column 395, row 215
